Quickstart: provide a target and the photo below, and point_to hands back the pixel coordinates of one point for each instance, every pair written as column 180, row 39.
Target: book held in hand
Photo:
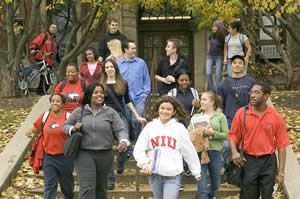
column 200, row 121
column 154, row 159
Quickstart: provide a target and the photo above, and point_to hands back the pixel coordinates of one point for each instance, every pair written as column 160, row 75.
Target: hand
column 237, row 160
column 279, row 179
column 170, row 78
column 147, row 171
column 198, row 179
column 122, row 146
column 100, row 59
column 141, row 120
column 77, row 127
column 196, row 103
column 29, row 133
column 32, row 51
column 208, row 131
column 166, row 81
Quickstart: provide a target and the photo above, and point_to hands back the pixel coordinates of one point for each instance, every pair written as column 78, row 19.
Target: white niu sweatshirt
column 173, row 141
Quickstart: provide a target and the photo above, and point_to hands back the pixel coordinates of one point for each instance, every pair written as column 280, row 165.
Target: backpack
column 242, row 41
column 82, row 83
column 46, row 115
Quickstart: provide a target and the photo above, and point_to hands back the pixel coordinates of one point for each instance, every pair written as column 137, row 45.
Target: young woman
column 215, row 55
column 56, row 166
column 72, row 88
column 118, row 87
column 185, row 94
column 167, row 135
column 236, row 44
column 99, row 124
column 91, row 69
column 217, row 130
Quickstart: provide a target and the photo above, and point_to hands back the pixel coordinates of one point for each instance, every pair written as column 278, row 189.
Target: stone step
column 129, row 176
column 129, row 192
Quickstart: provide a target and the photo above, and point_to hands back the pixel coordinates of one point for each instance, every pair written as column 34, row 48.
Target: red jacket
column 45, row 47
column 37, row 154
column 85, row 73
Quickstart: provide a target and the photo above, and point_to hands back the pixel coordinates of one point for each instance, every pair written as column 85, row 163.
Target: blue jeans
column 229, row 71
column 121, row 158
column 206, row 191
column 226, row 153
column 58, row 168
column 210, row 62
column 164, row 187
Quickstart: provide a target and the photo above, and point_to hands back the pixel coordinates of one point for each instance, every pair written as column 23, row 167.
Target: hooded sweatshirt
column 172, row 139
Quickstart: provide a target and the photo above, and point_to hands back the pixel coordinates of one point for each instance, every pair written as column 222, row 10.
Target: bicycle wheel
column 53, row 80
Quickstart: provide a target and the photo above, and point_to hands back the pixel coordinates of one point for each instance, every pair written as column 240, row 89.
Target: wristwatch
column 281, row 174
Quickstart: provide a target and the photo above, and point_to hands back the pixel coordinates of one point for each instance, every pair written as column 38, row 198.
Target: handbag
column 72, row 144
column 130, row 123
column 233, row 172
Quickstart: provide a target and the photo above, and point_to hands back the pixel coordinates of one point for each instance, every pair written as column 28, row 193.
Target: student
column 236, row 43
column 91, row 69
column 265, row 133
column 218, row 130
column 56, row 166
column 166, row 134
column 169, row 66
column 215, row 55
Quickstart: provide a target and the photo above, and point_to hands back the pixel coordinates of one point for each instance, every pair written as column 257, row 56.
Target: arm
column 225, row 57
column 57, row 88
column 140, row 148
column 71, row 124
column 29, row 133
column 222, row 134
column 162, row 79
column 132, row 109
column 249, row 50
column 146, row 78
column 236, row 156
column 118, row 127
column 37, row 42
column 101, row 50
column 281, row 160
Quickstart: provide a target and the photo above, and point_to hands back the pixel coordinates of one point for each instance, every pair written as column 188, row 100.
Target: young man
column 234, row 92
column 113, row 33
column 169, row 66
column 134, row 70
column 264, row 133
column 45, row 46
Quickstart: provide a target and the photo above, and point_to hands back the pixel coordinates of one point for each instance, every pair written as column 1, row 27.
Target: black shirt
column 103, row 46
column 108, row 101
column 164, row 69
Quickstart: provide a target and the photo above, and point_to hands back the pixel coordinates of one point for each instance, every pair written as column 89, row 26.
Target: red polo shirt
column 262, row 134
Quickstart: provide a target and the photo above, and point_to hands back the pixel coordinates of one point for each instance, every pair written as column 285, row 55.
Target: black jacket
column 103, row 46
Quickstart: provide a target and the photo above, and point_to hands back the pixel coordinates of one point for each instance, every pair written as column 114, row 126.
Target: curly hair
column 180, row 113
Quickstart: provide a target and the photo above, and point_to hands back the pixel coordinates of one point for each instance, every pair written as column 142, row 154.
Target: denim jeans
column 164, row 187
column 206, row 191
column 226, row 153
column 210, row 62
column 121, row 158
column 229, row 71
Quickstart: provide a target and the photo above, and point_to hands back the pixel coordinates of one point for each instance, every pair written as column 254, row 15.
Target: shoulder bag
column 232, row 93
column 72, row 143
column 233, row 172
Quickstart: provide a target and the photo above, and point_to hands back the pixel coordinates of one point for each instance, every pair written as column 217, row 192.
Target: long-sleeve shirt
column 99, row 130
column 172, row 138
column 218, row 123
column 135, row 72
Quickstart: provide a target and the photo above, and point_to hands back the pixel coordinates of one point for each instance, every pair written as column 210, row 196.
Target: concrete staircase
column 126, row 186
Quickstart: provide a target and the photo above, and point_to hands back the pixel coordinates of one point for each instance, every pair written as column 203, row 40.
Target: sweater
column 172, row 139
column 85, row 73
column 99, row 130
column 218, row 123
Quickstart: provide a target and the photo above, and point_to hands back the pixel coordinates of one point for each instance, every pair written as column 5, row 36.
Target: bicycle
column 30, row 76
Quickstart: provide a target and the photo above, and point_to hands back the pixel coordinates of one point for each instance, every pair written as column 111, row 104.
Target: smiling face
column 170, row 49
column 109, row 69
column 56, row 103
column 206, row 102
column 237, row 66
column 53, row 29
column 113, row 27
column 165, row 112
column 183, row 82
column 71, row 73
column 97, row 96
column 89, row 55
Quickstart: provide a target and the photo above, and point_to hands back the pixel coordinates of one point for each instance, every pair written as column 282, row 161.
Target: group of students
column 96, row 95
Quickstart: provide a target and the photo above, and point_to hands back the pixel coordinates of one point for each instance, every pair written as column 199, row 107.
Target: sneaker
column 181, row 188
column 187, row 172
column 110, row 187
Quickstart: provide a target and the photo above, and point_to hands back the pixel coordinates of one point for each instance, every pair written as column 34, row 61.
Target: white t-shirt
column 92, row 67
column 234, row 45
